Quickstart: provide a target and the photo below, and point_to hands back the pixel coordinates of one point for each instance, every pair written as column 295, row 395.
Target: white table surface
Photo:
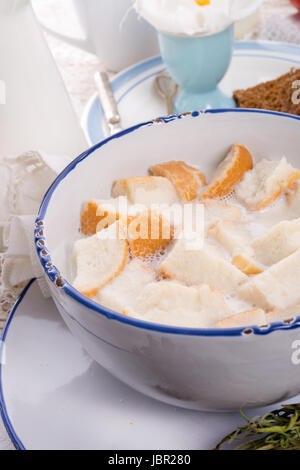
column 77, row 67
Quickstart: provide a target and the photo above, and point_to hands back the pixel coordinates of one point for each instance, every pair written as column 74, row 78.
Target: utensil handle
column 170, row 105
column 108, row 102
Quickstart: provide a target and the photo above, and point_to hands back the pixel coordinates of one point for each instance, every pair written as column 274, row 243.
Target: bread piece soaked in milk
column 281, row 315
column 277, row 287
column 281, row 241
column 149, row 233
column 186, row 179
column 229, row 172
column 265, row 183
column 146, row 190
column 250, row 318
column 293, row 198
column 233, row 236
column 98, row 259
column 194, row 267
column 122, row 292
column 99, row 214
column 216, row 210
column 171, row 303
column 236, row 239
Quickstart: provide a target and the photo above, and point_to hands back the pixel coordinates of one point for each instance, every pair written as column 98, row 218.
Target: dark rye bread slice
column 275, row 95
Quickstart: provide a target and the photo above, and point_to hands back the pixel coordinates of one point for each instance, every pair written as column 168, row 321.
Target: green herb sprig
column 276, row 430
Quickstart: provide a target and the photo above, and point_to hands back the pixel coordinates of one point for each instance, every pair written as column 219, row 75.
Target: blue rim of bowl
column 272, row 49
column 3, row 408
column 58, row 281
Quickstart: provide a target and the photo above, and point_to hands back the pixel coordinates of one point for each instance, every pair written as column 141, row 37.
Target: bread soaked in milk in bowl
column 176, row 249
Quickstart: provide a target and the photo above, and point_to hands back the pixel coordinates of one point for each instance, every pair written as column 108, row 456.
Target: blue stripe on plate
column 264, row 56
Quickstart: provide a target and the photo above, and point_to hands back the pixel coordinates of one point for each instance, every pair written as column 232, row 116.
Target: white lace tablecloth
column 278, row 22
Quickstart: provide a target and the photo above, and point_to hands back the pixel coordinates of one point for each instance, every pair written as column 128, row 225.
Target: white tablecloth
column 278, row 22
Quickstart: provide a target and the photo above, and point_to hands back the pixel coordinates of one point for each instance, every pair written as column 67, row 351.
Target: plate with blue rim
column 53, row 396
column 253, row 62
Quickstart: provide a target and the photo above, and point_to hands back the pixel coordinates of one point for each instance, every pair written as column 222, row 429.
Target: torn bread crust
column 245, row 263
column 186, row 179
column 230, row 171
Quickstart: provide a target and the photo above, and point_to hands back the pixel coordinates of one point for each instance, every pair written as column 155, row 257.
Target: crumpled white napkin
column 24, row 181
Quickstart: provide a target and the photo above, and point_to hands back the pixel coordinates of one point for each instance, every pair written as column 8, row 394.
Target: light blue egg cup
column 198, row 64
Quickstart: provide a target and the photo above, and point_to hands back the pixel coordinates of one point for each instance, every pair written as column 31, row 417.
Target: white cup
column 114, row 32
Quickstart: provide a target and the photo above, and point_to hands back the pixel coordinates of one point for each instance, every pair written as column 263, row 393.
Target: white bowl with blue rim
column 202, row 369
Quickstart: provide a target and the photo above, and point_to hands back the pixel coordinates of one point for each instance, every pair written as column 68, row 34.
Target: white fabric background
column 27, row 178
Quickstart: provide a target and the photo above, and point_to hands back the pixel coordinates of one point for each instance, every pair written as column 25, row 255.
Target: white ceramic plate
column 53, row 396
column 253, row 63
